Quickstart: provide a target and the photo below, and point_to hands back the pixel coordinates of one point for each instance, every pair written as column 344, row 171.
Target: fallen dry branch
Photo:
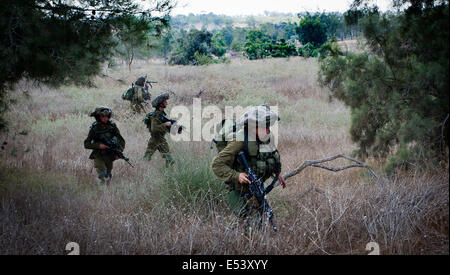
column 319, row 164
column 199, row 93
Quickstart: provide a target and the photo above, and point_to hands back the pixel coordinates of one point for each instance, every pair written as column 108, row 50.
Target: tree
column 164, row 46
column 257, row 45
column 311, row 30
column 63, row 42
column 398, row 91
column 196, row 45
column 219, row 45
column 281, row 48
column 133, row 33
column 228, row 35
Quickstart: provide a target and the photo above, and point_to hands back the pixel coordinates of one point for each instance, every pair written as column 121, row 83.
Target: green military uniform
column 140, row 95
column 263, row 158
column 157, row 140
column 137, row 95
column 158, row 130
column 103, row 159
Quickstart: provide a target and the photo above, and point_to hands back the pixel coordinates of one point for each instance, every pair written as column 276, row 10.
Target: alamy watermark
column 196, row 129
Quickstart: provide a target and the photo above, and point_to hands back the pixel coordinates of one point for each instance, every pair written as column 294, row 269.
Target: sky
column 257, row 7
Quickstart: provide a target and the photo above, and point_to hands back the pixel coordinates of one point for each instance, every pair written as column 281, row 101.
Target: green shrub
column 397, row 92
column 202, row 59
column 191, row 184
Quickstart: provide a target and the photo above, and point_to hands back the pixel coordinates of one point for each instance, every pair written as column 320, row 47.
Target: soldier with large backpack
column 102, row 131
column 138, row 94
column 252, row 138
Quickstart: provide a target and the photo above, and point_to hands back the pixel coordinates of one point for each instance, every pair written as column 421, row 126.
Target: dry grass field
column 49, row 195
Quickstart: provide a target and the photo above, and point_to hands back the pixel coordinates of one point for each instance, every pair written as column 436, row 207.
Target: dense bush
column 311, row 30
column 196, row 48
column 398, row 91
column 259, row 45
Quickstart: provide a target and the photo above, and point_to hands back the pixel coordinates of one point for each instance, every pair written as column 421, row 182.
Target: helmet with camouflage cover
column 260, row 115
column 101, row 111
column 159, row 100
column 140, row 81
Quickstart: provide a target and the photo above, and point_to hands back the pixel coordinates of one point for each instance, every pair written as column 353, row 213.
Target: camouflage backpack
column 224, row 133
column 128, row 95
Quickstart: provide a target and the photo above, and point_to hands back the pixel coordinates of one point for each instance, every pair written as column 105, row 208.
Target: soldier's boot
column 102, row 177
column 108, row 177
column 169, row 160
column 149, row 153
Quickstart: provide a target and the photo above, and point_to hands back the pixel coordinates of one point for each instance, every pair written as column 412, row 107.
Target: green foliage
column 64, row 42
column 202, row 59
column 282, row 49
column 162, row 47
column 237, row 46
column 194, row 43
column 398, row 93
column 219, row 45
column 283, row 30
column 311, row 30
column 135, row 35
column 188, row 21
column 191, row 185
column 228, row 35
column 307, row 50
column 257, row 45
column 272, row 38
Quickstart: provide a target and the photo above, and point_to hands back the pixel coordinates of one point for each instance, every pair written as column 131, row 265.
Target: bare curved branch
column 319, row 164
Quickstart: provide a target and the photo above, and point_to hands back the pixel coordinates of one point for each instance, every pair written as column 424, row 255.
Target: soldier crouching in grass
column 255, row 140
column 103, row 129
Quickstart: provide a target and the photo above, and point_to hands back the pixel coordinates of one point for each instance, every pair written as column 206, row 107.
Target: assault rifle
column 115, row 148
column 256, row 188
column 149, row 82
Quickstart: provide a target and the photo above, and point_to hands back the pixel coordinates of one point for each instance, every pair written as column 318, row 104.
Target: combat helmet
column 101, row 111
column 159, row 100
column 259, row 115
column 140, row 81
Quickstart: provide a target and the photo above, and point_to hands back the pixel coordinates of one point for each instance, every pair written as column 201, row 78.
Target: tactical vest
column 148, row 120
column 263, row 158
column 108, row 133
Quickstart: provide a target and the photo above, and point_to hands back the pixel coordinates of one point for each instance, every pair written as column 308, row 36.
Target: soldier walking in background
column 159, row 125
column 102, row 131
column 138, row 94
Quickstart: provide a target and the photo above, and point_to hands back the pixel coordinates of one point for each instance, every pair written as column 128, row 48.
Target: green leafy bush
column 398, row 92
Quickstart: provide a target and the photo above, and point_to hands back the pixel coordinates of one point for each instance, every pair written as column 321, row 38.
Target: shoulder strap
column 246, row 142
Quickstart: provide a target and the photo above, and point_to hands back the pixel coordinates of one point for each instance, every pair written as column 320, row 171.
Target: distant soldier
column 103, row 129
column 159, row 125
column 138, row 94
column 254, row 139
